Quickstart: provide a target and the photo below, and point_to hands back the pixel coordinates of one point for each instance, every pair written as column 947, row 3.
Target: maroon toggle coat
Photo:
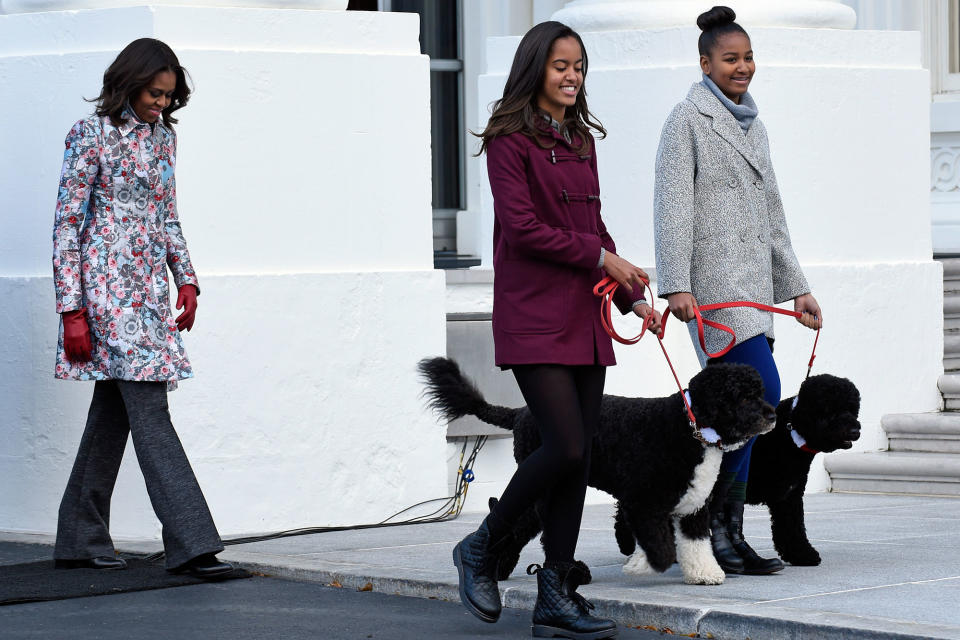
column 546, row 245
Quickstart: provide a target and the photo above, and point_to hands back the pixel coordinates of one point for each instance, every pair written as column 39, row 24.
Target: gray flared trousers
column 118, row 408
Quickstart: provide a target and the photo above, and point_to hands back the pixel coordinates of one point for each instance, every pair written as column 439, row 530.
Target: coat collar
column 724, row 123
column 130, row 121
column 547, row 129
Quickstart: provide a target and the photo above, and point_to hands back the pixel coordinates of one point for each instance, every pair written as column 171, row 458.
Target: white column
column 33, row 6
column 303, row 180
column 610, row 15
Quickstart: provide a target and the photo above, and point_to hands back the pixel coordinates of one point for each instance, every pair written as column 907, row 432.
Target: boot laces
column 584, row 605
column 570, row 584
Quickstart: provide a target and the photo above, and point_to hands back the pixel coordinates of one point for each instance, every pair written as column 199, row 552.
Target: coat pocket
column 534, row 297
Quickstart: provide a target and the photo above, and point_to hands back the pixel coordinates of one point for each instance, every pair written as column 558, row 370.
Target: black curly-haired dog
column 645, row 453
column 821, row 417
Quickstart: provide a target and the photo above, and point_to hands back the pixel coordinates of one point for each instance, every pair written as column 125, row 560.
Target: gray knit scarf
column 745, row 112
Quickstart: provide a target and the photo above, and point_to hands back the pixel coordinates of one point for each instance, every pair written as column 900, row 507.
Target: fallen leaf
column 366, row 587
column 336, row 583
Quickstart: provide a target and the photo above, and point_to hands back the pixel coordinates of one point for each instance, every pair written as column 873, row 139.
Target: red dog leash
column 606, row 288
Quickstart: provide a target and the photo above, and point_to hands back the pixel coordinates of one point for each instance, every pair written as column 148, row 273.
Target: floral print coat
column 115, row 232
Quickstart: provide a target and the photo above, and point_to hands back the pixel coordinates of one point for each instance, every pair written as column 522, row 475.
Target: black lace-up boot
column 726, row 556
column 476, row 562
column 753, row 564
column 560, row 611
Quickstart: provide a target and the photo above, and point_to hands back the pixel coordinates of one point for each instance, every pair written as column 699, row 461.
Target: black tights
column 565, row 403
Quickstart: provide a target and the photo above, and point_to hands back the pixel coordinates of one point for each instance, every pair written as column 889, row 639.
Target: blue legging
column 755, row 352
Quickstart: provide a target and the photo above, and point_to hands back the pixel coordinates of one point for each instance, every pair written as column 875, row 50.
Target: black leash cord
column 449, row 510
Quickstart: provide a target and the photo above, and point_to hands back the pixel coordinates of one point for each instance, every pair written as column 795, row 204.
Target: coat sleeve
column 673, row 200
column 178, row 258
column 515, row 211
column 622, row 298
column 81, row 166
column 788, row 279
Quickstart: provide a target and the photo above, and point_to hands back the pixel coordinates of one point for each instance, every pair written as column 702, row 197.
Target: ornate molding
column 619, row 15
column 945, row 168
column 34, row 6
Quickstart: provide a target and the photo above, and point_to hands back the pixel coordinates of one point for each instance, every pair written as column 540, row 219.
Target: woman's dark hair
column 517, row 110
column 717, row 22
column 132, row 71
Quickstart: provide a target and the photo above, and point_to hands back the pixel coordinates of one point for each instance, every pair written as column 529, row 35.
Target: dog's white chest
column 704, row 477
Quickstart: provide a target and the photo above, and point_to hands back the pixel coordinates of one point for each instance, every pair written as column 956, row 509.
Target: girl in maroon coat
column 550, row 248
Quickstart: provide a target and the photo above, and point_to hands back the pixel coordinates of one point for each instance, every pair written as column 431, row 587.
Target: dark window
column 954, row 35
column 440, row 39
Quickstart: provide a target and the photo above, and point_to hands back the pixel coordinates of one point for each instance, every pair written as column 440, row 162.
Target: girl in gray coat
column 721, row 236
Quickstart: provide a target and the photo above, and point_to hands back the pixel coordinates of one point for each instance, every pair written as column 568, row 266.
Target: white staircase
column 924, row 454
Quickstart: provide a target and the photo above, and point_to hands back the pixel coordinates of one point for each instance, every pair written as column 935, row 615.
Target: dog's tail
column 453, row 396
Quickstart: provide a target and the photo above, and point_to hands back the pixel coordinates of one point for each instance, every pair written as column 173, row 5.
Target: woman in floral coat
column 115, row 233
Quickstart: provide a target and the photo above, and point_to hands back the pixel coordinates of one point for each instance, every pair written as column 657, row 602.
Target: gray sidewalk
column 891, row 569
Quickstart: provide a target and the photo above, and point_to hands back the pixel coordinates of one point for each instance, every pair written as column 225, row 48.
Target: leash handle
column 605, row 290
column 722, row 327
column 608, row 286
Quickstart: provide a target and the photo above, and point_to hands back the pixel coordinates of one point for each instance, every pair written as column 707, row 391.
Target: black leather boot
column 476, row 563
column 560, row 611
column 726, row 556
column 753, row 564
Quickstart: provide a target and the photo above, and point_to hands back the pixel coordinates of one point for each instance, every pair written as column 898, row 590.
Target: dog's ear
column 838, row 394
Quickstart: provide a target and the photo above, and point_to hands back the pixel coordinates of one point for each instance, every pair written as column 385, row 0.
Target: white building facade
column 847, row 103
column 306, row 197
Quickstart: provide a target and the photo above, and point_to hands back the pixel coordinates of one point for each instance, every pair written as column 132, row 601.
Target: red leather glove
column 186, row 297
column 76, row 336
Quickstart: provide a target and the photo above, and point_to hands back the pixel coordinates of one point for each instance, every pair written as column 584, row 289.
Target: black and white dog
column 645, row 453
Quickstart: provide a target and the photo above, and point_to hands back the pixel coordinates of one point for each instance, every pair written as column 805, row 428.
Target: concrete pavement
column 891, row 570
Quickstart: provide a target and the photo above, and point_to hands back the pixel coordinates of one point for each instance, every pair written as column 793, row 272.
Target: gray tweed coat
column 719, row 226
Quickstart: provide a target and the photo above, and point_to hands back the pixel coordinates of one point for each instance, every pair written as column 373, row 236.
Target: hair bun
column 719, row 16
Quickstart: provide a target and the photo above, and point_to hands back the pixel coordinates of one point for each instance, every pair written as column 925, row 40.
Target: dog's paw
column 697, row 562
column 637, row 565
column 705, row 574
column 802, row 558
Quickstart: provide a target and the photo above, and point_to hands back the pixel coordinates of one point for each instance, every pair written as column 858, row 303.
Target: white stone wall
column 304, row 193
column 852, row 162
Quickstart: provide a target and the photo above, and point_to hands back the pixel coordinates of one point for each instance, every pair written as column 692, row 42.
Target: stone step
column 923, row 432
column 951, row 268
column 951, row 344
column 949, row 385
column 895, row 472
column 951, row 305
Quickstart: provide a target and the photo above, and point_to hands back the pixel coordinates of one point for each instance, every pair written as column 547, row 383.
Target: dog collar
column 798, row 439
column 706, row 435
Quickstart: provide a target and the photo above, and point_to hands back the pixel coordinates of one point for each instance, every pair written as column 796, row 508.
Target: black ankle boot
column 476, row 563
column 753, row 564
column 560, row 611
column 726, row 556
